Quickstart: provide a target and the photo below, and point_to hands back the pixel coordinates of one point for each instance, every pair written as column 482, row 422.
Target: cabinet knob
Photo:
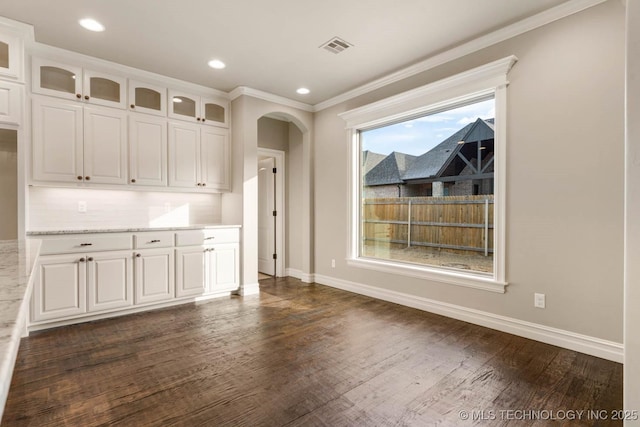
column 86, row 97
column 79, row 178
column 82, row 260
column 87, row 178
column 90, row 259
column 204, row 184
column 133, row 181
column 78, row 96
column 198, row 184
column 132, row 106
column 198, row 118
column 203, row 120
column 138, row 255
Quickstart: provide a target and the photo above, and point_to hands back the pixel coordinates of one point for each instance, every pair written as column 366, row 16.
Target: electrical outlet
column 539, row 300
column 82, row 206
column 333, row 263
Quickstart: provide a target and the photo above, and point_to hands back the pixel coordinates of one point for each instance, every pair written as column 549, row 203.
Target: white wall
column 564, row 179
column 55, row 208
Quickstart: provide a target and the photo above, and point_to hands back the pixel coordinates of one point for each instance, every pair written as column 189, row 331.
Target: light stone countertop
column 84, row 230
column 17, row 259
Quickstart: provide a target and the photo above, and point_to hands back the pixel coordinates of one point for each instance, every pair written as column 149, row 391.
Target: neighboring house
column 385, row 178
column 370, row 159
column 460, row 165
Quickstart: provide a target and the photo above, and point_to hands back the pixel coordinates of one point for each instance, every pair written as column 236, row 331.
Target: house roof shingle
column 390, row 170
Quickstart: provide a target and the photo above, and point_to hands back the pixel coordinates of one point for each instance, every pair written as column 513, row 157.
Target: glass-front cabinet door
column 147, row 98
column 104, row 89
column 184, row 106
column 72, row 82
column 193, row 108
column 56, row 79
column 11, row 55
column 215, row 112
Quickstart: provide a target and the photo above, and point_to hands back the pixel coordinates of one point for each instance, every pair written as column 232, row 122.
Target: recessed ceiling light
column 91, row 24
column 217, row 64
column 303, row 91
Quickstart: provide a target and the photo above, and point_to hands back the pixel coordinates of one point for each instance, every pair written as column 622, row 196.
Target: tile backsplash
column 58, row 208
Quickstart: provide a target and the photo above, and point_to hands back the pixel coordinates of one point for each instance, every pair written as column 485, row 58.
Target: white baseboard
column 298, row 274
column 582, row 343
column 249, row 289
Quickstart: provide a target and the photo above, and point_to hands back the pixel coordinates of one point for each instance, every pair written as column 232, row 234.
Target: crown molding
column 266, row 96
column 543, row 18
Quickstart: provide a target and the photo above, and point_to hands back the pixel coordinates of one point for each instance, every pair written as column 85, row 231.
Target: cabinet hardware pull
column 79, row 178
column 86, row 244
column 198, row 118
column 204, row 184
column 82, row 260
column 90, row 259
column 138, row 255
column 198, row 184
column 132, row 106
column 86, row 97
column 155, row 241
column 78, row 96
column 203, row 120
column 87, row 178
column 133, row 180
column 209, row 238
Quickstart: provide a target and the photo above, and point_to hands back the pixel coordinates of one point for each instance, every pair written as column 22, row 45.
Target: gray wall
column 564, row 178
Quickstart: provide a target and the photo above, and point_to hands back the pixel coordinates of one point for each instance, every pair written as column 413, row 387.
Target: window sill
column 469, row 280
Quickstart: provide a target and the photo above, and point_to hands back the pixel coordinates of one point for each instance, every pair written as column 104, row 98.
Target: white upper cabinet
column 75, row 143
column 72, row 82
column 193, row 108
column 11, row 55
column 147, row 98
column 11, row 95
column 147, row 150
column 199, row 157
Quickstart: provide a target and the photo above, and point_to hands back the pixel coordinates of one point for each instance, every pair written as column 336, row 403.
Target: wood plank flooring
column 300, row 355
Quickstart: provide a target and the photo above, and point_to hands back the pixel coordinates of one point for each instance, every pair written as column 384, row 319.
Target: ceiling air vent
column 336, row 45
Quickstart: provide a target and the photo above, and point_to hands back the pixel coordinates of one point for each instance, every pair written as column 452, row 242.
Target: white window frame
column 463, row 88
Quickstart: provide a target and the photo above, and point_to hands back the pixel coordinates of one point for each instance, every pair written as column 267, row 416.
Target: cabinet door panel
column 10, row 103
column 190, row 274
column 154, row 280
column 147, row 150
column 11, row 55
column 146, row 98
column 57, row 140
column 56, row 79
column 110, row 280
column 105, row 145
column 184, row 106
column 224, row 261
column 184, row 155
column 215, row 158
column 215, row 112
column 60, row 288
column 104, row 89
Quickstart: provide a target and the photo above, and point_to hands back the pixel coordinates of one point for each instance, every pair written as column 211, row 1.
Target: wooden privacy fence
column 454, row 223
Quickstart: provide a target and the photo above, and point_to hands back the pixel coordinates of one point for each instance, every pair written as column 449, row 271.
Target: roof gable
column 390, row 170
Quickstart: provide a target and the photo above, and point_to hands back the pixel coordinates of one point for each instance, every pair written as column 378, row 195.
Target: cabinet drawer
column 207, row 236
column 153, row 240
column 88, row 243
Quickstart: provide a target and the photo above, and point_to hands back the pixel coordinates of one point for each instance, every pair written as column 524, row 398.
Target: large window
column 428, row 187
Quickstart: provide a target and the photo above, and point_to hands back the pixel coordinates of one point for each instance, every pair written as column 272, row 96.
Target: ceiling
column 273, row 46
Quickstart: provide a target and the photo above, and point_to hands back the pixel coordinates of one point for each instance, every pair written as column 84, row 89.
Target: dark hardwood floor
column 301, row 355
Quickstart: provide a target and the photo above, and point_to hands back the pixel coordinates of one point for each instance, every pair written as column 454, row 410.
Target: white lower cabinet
column 109, row 280
column 190, row 271
column 154, row 280
column 223, row 267
column 87, row 276
column 71, row 285
column 60, row 287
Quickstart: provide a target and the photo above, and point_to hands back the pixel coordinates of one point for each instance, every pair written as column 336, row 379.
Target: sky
column 417, row 136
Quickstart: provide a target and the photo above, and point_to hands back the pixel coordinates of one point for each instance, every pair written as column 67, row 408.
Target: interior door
column 266, row 223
